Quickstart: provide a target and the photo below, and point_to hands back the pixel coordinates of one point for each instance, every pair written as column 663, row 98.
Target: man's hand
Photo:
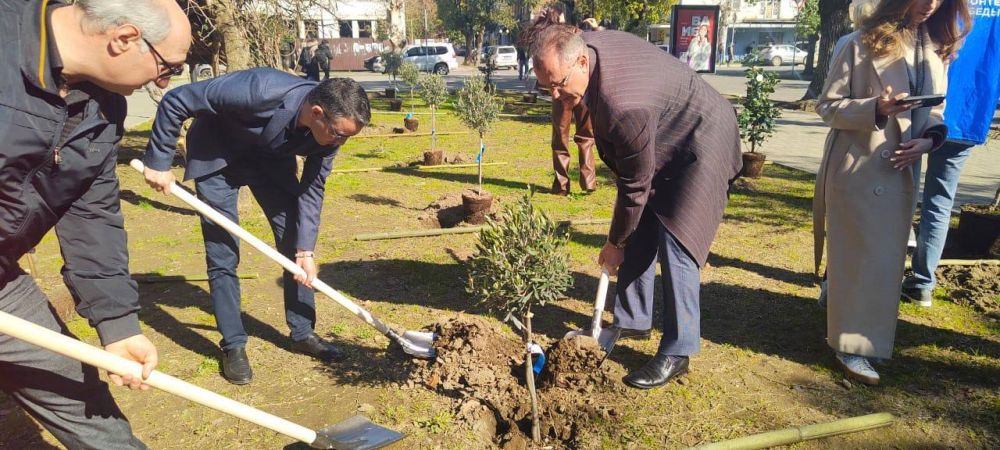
column 136, row 348
column 910, row 152
column 308, row 264
column 161, row 181
column 888, row 104
column 611, row 257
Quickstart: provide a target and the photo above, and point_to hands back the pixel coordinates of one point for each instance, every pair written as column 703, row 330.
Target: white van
column 436, row 57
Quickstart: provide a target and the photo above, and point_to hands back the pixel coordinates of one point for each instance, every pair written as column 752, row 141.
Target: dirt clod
column 974, row 286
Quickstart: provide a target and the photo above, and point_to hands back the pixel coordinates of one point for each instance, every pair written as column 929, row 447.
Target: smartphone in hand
column 924, row 101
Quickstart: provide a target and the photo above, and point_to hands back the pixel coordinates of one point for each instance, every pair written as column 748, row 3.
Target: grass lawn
column 764, row 364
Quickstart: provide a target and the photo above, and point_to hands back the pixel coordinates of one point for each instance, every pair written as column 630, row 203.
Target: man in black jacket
column 324, row 56
column 61, row 116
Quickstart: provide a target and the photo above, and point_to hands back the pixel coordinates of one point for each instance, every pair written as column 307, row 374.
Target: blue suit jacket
column 245, row 114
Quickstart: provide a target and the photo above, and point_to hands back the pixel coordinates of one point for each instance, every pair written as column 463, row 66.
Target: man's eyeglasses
column 168, row 69
column 333, row 131
column 561, row 84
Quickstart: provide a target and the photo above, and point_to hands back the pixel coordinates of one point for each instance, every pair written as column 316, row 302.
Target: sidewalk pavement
column 797, row 142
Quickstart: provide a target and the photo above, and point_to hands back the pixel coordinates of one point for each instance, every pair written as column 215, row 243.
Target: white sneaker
column 858, row 368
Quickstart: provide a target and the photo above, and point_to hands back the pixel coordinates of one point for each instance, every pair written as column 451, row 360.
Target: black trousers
column 64, row 395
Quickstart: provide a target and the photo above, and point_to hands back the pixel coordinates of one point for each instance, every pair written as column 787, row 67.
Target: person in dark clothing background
column 324, row 56
column 308, row 63
column 62, row 112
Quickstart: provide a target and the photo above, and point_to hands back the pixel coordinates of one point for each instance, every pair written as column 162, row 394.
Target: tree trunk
column 471, row 50
column 529, row 376
column 834, row 23
column 480, row 163
column 810, row 55
column 433, row 126
column 234, row 41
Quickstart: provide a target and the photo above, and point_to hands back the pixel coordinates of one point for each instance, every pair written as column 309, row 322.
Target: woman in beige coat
column 864, row 190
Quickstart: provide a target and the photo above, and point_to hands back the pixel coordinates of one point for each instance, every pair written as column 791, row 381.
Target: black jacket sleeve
column 93, row 244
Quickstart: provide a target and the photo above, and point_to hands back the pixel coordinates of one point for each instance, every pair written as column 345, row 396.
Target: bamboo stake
column 964, row 262
column 803, row 433
column 395, row 135
column 538, row 116
column 420, row 167
column 457, row 230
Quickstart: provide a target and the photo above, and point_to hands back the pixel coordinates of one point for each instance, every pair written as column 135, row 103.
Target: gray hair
column 149, row 16
column 564, row 40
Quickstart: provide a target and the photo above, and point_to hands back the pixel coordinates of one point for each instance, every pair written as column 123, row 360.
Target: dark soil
column 974, row 286
column 447, row 211
column 481, row 368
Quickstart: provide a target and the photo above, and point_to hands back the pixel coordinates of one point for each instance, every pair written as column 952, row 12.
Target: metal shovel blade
column 356, row 433
column 418, row 343
column 606, row 338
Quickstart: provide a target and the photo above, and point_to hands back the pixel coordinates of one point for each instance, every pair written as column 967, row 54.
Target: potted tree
column 392, row 61
column 478, row 108
column 979, row 226
column 757, row 117
column 410, row 75
column 520, row 263
column 435, row 91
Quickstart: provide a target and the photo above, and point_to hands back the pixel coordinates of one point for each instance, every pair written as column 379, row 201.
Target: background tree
column 807, row 25
column 834, row 23
column 520, row 263
column 478, row 108
column 471, row 18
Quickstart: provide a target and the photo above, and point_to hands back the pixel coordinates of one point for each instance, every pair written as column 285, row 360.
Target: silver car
column 781, row 54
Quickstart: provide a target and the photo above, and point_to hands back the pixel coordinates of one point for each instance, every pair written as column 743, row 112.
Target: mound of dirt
column 975, row 286
column 448, row 212
column 445, row 212
column 483, row 370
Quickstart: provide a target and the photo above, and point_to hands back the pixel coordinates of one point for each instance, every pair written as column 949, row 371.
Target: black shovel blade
column 356, row 433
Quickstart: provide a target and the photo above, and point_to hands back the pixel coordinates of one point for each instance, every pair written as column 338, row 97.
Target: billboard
column 695, row 35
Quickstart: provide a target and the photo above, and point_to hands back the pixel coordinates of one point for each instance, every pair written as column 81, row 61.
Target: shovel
column 605, row 338
column 356, row 433
column 415, row 343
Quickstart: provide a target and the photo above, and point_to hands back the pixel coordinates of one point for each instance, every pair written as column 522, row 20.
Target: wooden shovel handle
column 602, row 294
column 102, row 359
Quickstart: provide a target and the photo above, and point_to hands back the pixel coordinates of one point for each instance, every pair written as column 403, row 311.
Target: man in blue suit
column 248, row 128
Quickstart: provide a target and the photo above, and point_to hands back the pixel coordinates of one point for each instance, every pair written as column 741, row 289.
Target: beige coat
column 863, row 206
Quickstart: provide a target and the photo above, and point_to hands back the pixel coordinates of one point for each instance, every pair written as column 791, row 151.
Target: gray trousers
column 681, row 282
column 66, row 396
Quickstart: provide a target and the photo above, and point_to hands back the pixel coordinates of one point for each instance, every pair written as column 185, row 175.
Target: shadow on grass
column 133, row 198
column 187, row 295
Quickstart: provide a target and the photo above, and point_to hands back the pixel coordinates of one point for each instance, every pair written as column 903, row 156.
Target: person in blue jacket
column 249, row 127
column 973, row 92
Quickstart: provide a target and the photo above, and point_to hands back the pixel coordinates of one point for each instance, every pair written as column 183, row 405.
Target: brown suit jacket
column 670, row 138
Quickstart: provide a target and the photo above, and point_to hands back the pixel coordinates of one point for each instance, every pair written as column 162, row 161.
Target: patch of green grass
column 436, row 424
column 209, row 365
column 337, row 329
column 81, row 329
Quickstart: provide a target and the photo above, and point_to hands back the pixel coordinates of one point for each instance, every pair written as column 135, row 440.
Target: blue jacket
column 53, row 176
column 245, row 114
column 974, row 78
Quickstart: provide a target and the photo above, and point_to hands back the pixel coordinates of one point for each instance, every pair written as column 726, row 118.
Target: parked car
column 780, row 54
column 504, row 57
column 204, row 71
column 375, row 64
column 437, row 58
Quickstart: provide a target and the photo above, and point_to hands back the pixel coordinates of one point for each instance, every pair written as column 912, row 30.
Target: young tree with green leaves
column 410, row 75
column 435, row 91
column 520, row 263
column 478, row 108
column 757, row 118
column 393, row 61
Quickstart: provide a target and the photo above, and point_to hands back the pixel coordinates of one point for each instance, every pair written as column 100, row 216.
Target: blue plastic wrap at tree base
column 537, row 358
column 409, row 115
column 482, row 149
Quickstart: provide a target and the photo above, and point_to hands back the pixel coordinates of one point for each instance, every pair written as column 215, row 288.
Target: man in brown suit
column 673, row 143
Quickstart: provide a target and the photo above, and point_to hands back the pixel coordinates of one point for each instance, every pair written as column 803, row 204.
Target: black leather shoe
column 657, row 372
column 316, row 347
column 629, row 333
column 236, row 366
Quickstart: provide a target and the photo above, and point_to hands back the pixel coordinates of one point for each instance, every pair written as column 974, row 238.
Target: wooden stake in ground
column 803, row 433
